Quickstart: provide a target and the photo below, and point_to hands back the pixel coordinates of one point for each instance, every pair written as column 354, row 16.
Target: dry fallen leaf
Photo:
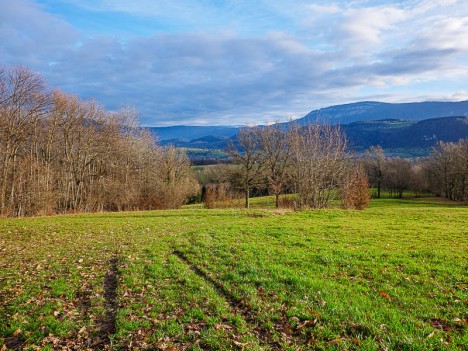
column 384, row 294
column 315, row 313
column 222, row 326
column 307, row 323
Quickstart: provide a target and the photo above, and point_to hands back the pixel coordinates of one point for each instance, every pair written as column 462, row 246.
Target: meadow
column 391, row 277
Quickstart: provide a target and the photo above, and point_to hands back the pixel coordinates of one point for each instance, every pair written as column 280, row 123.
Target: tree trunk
column 247, row 203
column 4, row 178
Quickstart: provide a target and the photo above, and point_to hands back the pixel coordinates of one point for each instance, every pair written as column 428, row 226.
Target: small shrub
column 355, row 189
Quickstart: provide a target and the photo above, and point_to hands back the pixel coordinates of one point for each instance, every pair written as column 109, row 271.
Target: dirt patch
column 83, row 302
column 14, row 343
column 106, row 325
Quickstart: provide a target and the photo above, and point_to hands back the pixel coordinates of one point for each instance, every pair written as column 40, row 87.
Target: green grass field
column 391, row 277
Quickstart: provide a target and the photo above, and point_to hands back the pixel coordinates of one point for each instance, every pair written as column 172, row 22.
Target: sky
column 232, row 62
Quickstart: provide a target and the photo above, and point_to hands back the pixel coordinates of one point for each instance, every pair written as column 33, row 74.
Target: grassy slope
column 390, row 277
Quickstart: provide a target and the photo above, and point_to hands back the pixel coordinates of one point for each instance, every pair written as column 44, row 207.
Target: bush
column 355, row 189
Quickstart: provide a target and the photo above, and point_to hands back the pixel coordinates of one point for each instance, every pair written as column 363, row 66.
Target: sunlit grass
column 390, row 277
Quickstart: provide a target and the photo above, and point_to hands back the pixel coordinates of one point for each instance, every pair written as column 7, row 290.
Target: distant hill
column 192, row 132
column 408, row 129
column 339, row 114
column 373, row 110
column 409, row 138
column 207, row 142
column 399, row 134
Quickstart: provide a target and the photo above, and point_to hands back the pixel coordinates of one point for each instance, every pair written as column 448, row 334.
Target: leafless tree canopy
column 311, row 162
column 320, row 159
column 443, row 173
column 276, row 150
column 249, row 157
column 61, row 154
column 394, row 174
column 400, row 176
column 376, row 163
column 447, row 170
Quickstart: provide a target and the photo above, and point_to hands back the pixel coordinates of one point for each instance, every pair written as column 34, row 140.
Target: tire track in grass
column 107, row 324
column 263, row 334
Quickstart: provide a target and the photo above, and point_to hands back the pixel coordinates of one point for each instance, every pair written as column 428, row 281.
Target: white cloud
column 446, row 33
column 27, row 32
column 364, row 28
column 422, row 7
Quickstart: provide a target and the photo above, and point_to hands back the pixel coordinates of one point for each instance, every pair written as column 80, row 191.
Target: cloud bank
column 240, row 63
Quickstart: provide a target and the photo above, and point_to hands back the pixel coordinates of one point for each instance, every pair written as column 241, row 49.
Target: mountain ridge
column 409, row 129
column 399, row 137
column 375, row 110
column 338, row 114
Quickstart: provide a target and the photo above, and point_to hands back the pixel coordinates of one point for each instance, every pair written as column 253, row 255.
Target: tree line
column 313, row 167
column 443, row 173
column 60, row 154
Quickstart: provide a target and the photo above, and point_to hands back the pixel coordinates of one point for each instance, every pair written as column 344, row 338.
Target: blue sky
column 213, row 62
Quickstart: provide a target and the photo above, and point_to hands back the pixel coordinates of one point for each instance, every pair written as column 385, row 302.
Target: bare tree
column 175, row 174
column 248, row 156
column 23, row 101
column 462, row 169
column 376, row 167
column 276, row 151
column 319, row 156
column 400, row 176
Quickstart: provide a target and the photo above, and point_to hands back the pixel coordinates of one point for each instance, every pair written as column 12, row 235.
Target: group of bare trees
column 310, row 162
column 446, row 170
column 443, row 173
column 61, row 154
column 396, row 174
column 314, row 165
